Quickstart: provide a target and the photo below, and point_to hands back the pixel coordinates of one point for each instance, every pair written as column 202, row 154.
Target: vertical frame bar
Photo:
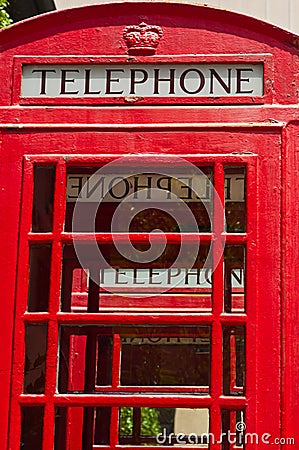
column 53, row 331
column 114, row 425
column 218, row 287
column 21, row 305
column 290, row 281
column 251, row 277
column 116, row 361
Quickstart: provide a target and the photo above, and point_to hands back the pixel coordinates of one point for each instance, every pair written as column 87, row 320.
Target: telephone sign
column 179, row 80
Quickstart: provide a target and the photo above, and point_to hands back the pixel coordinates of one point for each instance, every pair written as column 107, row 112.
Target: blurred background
column 283, row 13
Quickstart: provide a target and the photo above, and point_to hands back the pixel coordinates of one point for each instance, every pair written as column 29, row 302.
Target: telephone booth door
column 142, row 330
column 143, row 246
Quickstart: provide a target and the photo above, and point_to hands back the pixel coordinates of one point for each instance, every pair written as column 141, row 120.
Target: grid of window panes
column 130, row 353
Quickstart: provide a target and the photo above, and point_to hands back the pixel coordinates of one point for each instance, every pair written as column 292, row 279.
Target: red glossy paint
column 258, row 133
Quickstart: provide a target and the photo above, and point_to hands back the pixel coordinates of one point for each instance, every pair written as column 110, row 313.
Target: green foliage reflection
column 149, row 423
column 4, row 16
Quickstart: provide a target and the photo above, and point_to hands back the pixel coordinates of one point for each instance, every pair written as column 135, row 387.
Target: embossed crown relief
column 142, row 39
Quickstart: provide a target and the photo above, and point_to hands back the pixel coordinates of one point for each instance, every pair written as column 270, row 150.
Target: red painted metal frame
column 222, row 135
column 58, row 237
column 216, row 401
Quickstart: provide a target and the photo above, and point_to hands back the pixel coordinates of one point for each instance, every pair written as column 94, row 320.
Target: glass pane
column 164, row 426
column 233, row 430
column 234, row 279
column 148, row 357
column 234, row 360
column 85, row 358
column 117, row 280
column 43, row 198
column 141, row 202
column 35, row 358
column 81, row 427
column 32, row 428
column 39, row 278
column 153, row 359
column 235, row 199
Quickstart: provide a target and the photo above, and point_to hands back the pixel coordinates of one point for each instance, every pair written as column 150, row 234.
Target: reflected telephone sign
column 151, row 187
column 146, row 164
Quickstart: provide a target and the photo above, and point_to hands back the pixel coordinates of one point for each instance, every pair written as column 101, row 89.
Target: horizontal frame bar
column 188, row 317
column 136, row 400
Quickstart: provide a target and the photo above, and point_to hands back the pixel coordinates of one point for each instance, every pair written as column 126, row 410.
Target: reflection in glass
column 155, row 360
column 234, row 278
column 233, row 429
column 163, row 426
column 149, row 356
column 234, row 360
column 235, row 199
column 35, row 358
column 81, row 427
column 165, row 283
column 148, row 200
column 43, row 198
column 85, row 359
column 39, row 278
column 32, row 427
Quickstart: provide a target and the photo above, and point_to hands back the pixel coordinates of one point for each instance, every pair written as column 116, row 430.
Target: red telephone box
column 149, row 230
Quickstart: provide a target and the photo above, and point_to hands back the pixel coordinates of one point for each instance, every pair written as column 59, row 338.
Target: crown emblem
column 142, row 39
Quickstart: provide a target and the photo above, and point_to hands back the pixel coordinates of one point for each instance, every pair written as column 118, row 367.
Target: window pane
column 39, row 279
column 235, row 199
column 32, row 428
column 85, row 358
column 172, row 280
column 43, row 198
column 233, row 429
column 164, row 426
column 234, row 360
column 148, row 200
column 81, row 427
column 156, row 360
column 35, row 358
column 234, row 278
column 143, row 356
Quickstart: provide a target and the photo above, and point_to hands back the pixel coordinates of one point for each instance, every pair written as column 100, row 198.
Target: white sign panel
column 166, row 278
column 109, row 81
